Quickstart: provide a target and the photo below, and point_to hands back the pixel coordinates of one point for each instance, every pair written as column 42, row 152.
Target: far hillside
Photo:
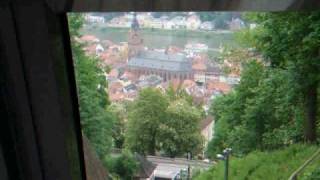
column 160, row 38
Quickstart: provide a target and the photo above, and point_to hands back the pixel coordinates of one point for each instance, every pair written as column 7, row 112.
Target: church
column 146, row 62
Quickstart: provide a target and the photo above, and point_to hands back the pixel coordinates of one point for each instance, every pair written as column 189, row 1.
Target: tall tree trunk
column 152, row 150
column 311, row 105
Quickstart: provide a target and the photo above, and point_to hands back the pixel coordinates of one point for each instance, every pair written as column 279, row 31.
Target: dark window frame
column 40, row 132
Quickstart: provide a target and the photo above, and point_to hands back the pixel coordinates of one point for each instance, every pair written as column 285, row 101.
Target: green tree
column 164, row 122
column 180, row 131
column 118, row 131
column 292, row 41
column 178, row 93
column 220, row 19
column 96, row 121
column 261, row 113
column 76, row 21
column 144, row 118
column 123, row 167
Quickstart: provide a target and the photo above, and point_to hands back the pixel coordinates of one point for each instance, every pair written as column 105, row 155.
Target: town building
column 207, row 129
column 146, row 62
column 236, row 24
column 135, row 41
column 207, row 25
column 196, row 48
column 179, row 22
column 193, row 22
column 94, row 19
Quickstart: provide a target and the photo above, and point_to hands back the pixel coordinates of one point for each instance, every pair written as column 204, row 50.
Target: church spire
column 135, row 41
column 135, row 24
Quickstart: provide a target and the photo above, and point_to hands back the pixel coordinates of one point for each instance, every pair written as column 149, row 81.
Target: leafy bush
column 314, row 175
column 122, row 167
column 273, row 165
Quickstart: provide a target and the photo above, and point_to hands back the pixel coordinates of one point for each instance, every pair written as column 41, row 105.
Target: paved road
column 179, row 162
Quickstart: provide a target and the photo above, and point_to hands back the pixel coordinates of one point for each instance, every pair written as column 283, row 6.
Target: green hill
column 275, row 165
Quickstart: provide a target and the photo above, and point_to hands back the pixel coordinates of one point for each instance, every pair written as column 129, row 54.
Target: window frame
column 41, row 133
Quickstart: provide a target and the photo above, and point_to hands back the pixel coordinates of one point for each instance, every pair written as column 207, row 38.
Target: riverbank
column 161, row 38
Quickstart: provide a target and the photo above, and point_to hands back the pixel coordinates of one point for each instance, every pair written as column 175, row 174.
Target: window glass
column 175, row 95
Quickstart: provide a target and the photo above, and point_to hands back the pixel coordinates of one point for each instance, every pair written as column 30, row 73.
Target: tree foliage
column 166, row 123
column 122, row 167
column 220, row 19
column 261, row 113
column 277, row 164
column 180, row 132
column 96, row 121
column 144, row 118
column 291, row 41
column 275, row 104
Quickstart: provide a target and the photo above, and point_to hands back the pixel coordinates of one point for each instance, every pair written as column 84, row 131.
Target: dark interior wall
column 191, row 5
column 41, row 115
column 40, row 129
column 3, row 168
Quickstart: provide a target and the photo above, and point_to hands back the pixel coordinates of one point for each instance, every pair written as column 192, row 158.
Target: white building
column 194, row 48
column 94, row 19
column 207, row 25
column 168, row 25
column 207, row 129
column 156, row 23
column 179, row 22
column 193, row 22
column 99, row 49
column 236, row 24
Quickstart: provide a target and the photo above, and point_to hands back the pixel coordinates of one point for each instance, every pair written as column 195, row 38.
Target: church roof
column 161, row 61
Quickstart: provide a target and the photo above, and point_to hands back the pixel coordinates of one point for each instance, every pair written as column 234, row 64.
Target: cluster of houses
column 204, row 82
column 134, row 67
column 191, row 21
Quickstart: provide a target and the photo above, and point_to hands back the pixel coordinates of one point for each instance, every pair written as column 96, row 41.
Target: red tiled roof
column 117, row 97
column 88, row 38
column 90, row 49
column 188, row 83
column 129, row 75
column 107, row 43
column 113, row 73
column 219, row 86
column 199, row 67
column 174, row 49
column 114, row 87
column 175, row 83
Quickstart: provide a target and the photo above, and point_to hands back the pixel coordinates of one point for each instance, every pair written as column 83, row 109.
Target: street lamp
column 225, row 157
column 189, row 158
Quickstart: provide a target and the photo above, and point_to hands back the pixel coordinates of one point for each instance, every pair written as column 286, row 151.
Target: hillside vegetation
column 274, row 165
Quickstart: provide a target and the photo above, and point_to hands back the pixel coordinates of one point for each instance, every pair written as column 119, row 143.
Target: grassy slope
column 276, row 165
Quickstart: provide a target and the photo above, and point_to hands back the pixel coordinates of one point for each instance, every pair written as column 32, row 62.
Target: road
column 179, row 162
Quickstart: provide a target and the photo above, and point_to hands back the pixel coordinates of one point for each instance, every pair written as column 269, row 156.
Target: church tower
column 135, row 41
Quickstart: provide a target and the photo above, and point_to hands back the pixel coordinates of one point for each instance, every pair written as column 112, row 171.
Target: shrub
column 271, row 165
